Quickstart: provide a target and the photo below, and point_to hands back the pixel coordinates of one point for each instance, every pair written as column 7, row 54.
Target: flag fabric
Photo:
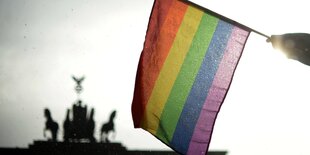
column 296, row 46
column 184, row 73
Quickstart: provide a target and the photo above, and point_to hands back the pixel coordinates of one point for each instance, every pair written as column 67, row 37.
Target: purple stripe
column 203, row 130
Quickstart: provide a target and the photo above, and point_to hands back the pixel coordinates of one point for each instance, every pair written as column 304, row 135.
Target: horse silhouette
column 90, row 126
column 67, row 126
column 50, row 124
column 107, row 128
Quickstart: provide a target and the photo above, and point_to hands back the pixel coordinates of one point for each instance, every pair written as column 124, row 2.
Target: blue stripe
column 201, row 86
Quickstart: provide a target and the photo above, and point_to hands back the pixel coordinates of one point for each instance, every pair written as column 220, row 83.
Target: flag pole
column 227, row 19
column 260, row 33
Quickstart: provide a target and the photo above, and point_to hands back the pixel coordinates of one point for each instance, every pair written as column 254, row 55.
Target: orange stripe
column 158, row 42
column 170, row 70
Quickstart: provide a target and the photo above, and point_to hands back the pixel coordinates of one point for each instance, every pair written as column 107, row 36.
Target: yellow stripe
column 171, row 68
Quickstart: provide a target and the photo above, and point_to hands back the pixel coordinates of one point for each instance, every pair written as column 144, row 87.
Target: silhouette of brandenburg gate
column 78, row 134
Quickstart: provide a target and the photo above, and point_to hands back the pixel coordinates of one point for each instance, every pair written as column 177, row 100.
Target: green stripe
column 186, row 78
column 171, row 67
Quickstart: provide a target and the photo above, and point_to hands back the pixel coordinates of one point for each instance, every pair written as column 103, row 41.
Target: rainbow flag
column 184, row 73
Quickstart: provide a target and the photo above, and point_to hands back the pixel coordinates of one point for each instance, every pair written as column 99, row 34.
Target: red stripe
column 165, row 20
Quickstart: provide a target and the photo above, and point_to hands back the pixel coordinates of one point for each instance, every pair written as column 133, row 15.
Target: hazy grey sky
column 43, row 43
